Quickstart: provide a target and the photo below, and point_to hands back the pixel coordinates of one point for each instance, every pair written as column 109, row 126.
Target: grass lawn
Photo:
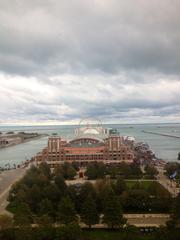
column 145, row 184
column 113, row 235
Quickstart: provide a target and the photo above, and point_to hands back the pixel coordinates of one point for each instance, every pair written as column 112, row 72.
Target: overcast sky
column 115, row 60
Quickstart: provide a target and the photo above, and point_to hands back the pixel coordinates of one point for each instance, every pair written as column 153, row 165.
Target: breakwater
column 161, row 134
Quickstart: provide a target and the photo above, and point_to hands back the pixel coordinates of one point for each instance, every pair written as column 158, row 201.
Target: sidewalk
column 7, row 179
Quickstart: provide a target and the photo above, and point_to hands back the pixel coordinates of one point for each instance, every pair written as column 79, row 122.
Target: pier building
column 89, row 144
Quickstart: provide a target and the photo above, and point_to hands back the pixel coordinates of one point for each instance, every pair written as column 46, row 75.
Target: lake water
column 164, row 147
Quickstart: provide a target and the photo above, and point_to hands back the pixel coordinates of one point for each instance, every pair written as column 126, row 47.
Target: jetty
column 10, row 139
column 161, row 134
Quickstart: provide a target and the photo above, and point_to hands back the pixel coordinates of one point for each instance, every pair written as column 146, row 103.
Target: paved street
column 7, row 179
column 147, row 220
column 140, row 220
column 167, row 183
column 82, row 181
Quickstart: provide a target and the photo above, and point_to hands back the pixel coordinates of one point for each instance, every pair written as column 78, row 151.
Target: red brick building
column 84, row 149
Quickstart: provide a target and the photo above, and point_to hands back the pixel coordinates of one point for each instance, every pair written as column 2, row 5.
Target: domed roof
column 88, row 136
column 91, row 131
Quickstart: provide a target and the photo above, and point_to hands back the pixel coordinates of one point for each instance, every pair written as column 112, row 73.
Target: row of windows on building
column 89, row 157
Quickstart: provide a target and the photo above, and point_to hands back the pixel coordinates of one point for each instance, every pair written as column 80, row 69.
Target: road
column 170, row 185
column 147, row 220
column 82, row 181
column 139, row 220
column 7, row 179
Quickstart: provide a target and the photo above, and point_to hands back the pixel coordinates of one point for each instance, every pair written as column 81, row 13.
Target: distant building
column 90, row 144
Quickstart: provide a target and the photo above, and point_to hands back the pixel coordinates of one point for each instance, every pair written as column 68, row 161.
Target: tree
column 89, row 214
column 73, row 194
column 46, row 208
column 101, row 169
column 45, row 169
column 6, row 221
column 60, row 183
column 136, row 170
column 131, row 232
column 87, row 188
column 120, row 186
column 135, row 199
column 24, row 232
column 95, row 170
column 71, row 231
column 179, row 156
column 125, row 169
column 103, row 187
column 44, row 221
column 23, row 215
column 59, row 170
column 112, row 211
column 76, row 165
column 161, row 234
column 70, row 173
column 66, row 211
column 113, row 171
column 67, row 171
column 176, row 208
column 34, row 176
column 53, row 193
column 22, row 194
column 34, row 197
column 91, row 171
column 45, row 228
column 151, row 171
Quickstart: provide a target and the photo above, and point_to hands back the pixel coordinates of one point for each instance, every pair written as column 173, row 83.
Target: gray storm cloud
column 60, row 60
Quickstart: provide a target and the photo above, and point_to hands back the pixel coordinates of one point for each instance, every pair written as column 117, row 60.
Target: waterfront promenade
column 7, row 179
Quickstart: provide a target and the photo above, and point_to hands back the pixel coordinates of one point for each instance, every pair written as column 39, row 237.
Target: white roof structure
column 89, row 136
column 91, row 131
